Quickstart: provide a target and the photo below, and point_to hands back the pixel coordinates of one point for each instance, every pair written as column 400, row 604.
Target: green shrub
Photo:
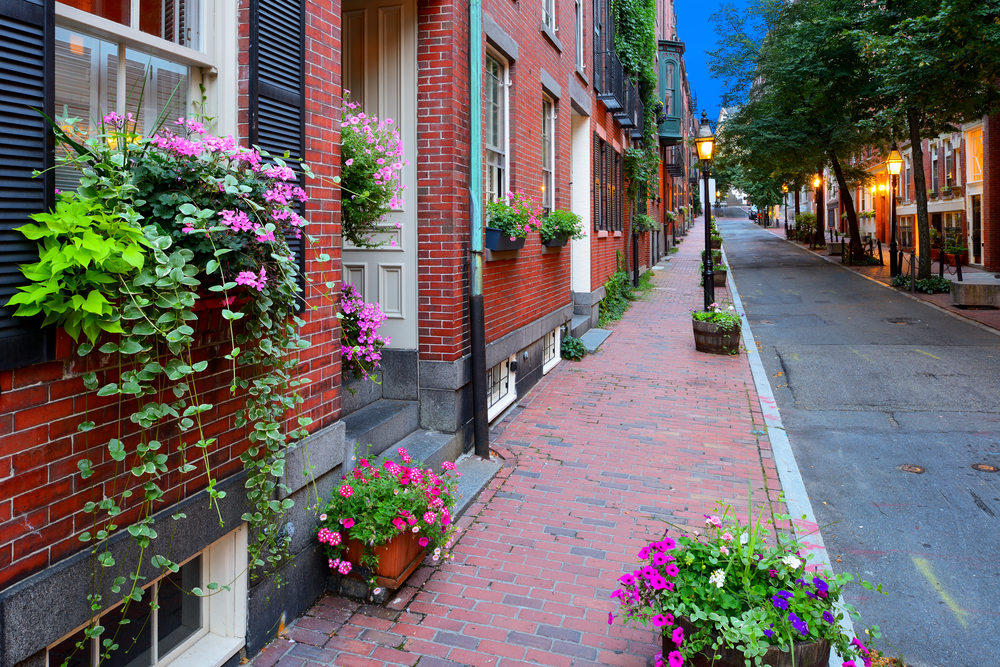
column 645, row 223
column 573, row 348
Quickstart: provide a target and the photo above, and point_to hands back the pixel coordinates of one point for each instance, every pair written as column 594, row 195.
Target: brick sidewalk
column 597, row 457
column 988, row 317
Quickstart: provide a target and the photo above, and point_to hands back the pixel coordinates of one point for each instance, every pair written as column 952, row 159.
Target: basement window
column 501, row 387
column 171, row 625
column 550, row 350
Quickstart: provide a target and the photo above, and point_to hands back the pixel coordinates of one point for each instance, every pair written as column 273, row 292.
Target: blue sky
column 698, row 34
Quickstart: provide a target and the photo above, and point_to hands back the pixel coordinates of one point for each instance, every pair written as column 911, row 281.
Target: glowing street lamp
column 894, row 163
column 784, row 197
column 705, row 143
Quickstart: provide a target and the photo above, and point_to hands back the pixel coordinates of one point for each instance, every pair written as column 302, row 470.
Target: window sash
column 974, row 140
column 580, row 65
column 495, row 138
column 548, row 154
column 549, row 13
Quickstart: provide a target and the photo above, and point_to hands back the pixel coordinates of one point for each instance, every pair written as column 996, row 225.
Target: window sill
column 210, row 651
column 618, row 235
column 551, row 35
column 549, row 365
column 583, row 77
column 602, row 234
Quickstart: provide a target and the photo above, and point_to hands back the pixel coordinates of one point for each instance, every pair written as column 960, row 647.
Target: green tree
column 936, row 65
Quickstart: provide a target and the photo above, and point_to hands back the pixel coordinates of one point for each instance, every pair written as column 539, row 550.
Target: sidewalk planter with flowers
column 382, row 521
column 509, row 220
column 558, row 227
column 736, row 597
column 716, row 330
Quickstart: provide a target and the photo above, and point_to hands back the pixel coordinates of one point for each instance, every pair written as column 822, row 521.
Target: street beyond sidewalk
column 597, row 458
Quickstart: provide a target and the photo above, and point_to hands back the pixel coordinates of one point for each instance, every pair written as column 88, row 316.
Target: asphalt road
column 869, row 380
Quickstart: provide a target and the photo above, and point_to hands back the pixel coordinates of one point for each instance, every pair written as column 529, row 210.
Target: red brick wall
column 41, row 491
column 991, row 192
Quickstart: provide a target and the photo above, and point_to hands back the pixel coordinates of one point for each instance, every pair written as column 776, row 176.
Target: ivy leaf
column 130, row 346
column 84, row 349
column 85, row 426
column 95, row 303
column 211, row 266
column 108, row 390
column 108, row 348
column 117, row 450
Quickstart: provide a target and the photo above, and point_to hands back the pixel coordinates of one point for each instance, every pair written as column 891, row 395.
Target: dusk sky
column 698, row 34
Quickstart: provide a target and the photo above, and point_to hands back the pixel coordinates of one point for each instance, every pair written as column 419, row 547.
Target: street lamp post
column 706, row 144
column 784, row 197
column 894, row 163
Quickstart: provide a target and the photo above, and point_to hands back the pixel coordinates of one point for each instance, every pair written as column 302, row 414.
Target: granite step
column 375, row 428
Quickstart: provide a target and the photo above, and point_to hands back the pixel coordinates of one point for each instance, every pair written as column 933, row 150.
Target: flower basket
column 719, row 277
column 716, row 245
column 710, row 337
column 807, row 654
column 397, row 559
column 557, row 241
column 496, row 240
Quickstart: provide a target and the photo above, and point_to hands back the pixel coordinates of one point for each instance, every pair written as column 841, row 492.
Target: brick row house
column 958, row 168
column 557, row 116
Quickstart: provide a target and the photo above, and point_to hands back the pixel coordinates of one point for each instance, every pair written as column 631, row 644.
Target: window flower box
column 496, row 240
column 556, row 241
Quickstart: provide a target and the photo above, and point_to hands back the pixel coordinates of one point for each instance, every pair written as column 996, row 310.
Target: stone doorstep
column 380, row 425
column 594, row 338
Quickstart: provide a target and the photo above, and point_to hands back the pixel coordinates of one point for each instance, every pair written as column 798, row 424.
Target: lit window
column 906, row 179
column 501, row 389
column 171, row 625
column 550, row 350
column 974, row 149
column 496, row 129
column 906, row 231
column 548, row 154
column 549, row 13
column 949, row 163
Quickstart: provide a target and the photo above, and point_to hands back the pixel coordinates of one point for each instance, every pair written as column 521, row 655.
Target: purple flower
column 828, row 617
column 820, row 585
column 779, row 602
column 798, row 624
column 768, row 632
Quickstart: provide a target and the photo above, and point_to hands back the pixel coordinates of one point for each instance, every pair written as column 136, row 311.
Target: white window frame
column 907, row 169
column 497, row 157
column 949, row 165
column 223, row 612
column 505, row 395
column 552, row 337
column 215, row 65
column 549, row 13
column 549, row 145
column 935, row 180
column 580, row 64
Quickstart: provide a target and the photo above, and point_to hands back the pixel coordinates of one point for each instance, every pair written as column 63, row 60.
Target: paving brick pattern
column 597, row 458
column 988, row 316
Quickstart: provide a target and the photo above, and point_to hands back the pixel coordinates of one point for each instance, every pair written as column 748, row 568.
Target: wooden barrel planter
column 716, row 245
column 720, row 278
column 709, row 338
column 397, row 559
column 807, row 654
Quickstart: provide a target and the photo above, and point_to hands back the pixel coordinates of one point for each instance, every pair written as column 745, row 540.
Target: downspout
column 477, row 314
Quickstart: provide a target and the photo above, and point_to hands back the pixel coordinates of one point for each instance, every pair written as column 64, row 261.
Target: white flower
column 416, row 529
column 792, row 562
column 731, row 308
column 744, row 538
column 718, row 578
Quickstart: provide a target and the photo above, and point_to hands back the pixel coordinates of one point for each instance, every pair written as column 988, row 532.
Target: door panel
column 380, row 70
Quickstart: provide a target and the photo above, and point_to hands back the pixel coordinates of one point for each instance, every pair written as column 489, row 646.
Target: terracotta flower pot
column 397, row 559
column 708, row 337
column 807, row 654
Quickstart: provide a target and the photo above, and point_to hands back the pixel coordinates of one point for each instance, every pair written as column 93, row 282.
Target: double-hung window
column 934, row 169
column 496, row 128
column 949, row 165
column 907, row 171
column 580, row 65
column 549, row 13
column 548, row 154
column 974, row 149
column 139, row 57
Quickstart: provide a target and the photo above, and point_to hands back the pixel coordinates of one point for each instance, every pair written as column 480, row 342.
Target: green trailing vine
column 159, row 226
column 636, row 44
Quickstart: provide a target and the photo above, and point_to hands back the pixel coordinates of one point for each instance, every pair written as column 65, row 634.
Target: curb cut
column 807, row 529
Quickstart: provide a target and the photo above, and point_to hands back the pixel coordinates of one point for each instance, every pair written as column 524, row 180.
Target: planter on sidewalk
column 716, row 245
column 397, row 559
column 807, row 654
column 712, row 338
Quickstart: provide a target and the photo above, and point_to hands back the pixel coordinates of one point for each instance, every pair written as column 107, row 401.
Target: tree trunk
column 820, row 208
column 923, row 248
column 796, row 202
column 857, row 250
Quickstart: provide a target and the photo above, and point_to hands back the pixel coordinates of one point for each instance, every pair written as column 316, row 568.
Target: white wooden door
column 380, row 71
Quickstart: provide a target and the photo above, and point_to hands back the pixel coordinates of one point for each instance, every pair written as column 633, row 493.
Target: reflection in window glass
column 118, row 11
column 179, row 615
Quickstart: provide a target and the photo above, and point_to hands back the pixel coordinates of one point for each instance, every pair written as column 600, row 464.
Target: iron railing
column 611, row 76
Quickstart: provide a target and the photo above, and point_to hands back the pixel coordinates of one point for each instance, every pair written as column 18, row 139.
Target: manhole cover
column 985, row 467
column 916, row 470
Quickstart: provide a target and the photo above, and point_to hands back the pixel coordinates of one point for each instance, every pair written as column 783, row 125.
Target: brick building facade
column 274, row 74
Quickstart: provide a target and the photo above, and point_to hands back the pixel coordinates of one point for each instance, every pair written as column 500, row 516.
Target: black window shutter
column 597, row 182
column 27, row 33
column 277, row 88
